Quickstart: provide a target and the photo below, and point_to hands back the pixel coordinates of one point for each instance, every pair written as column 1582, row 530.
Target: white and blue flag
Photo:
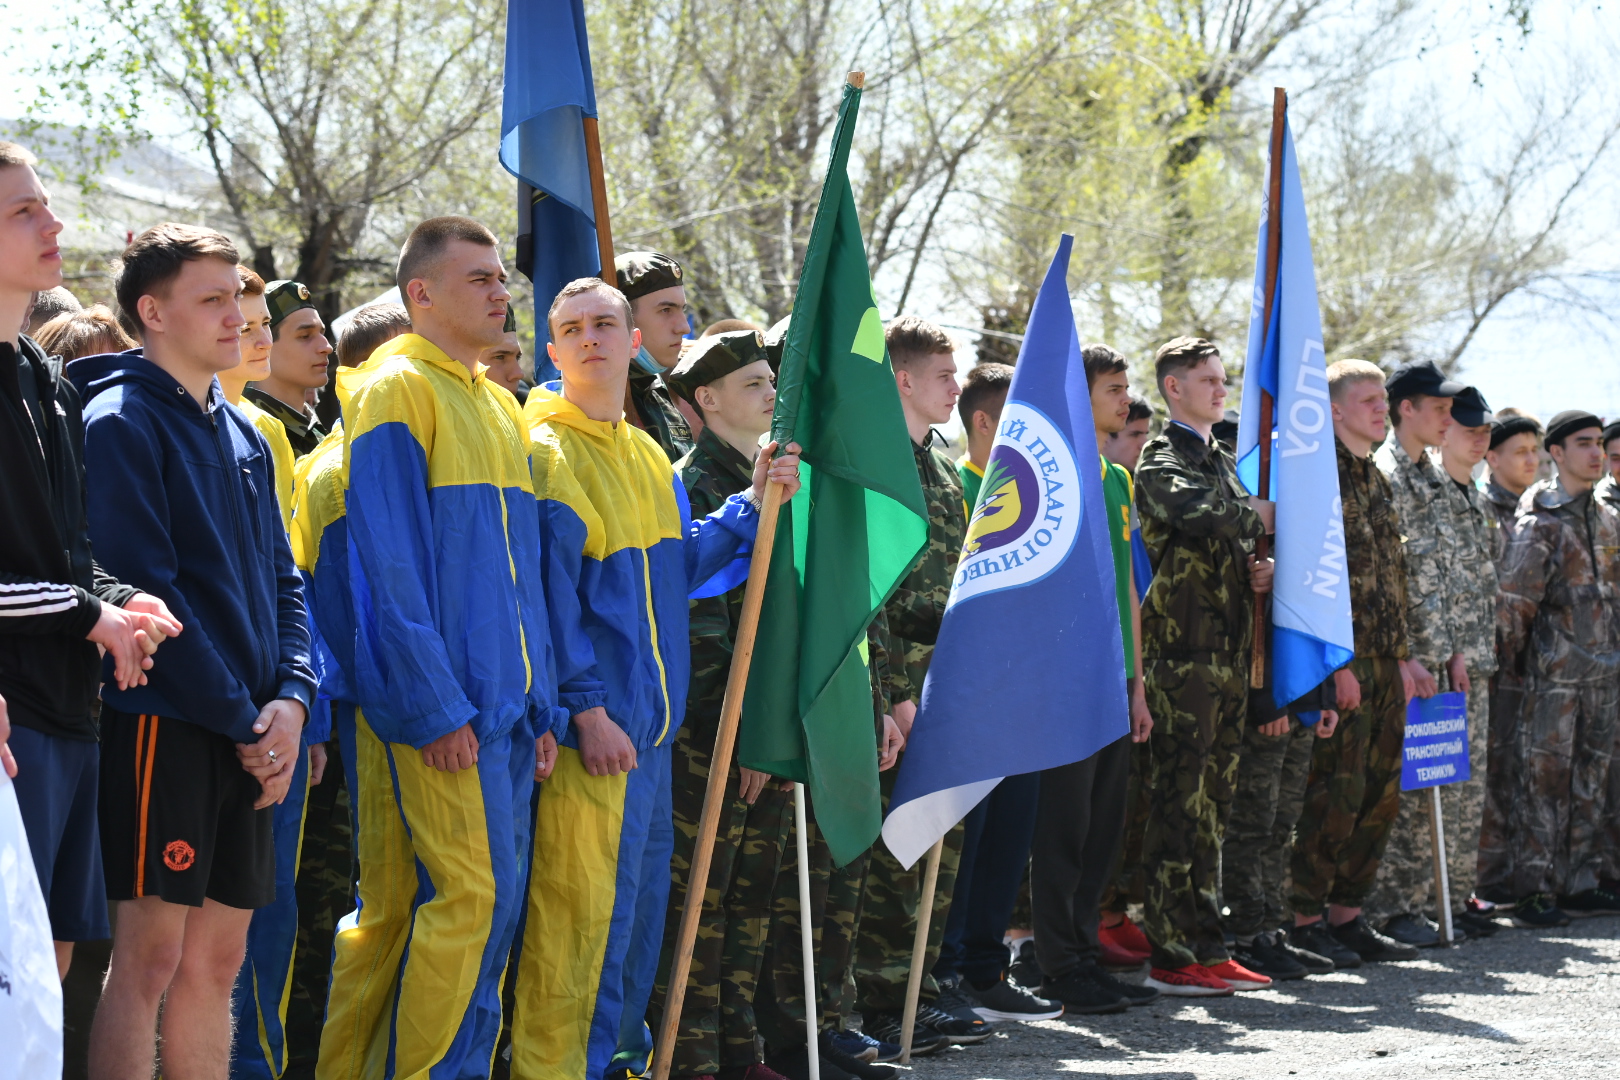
column 1311, row 633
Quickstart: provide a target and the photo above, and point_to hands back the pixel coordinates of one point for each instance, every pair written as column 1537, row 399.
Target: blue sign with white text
column 1436, row 748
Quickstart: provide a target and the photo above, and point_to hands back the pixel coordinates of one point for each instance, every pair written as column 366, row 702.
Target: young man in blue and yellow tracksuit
column 451, row 675
column 620, row 556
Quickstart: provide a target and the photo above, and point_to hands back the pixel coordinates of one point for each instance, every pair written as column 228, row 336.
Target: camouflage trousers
column 1199, row 711
column 1501, row 781
column 835, row 910
column 1126, row 883
column 717, row 1015
column 1270, row 796
column 1352, row 796
column 1405, row 881
column 888, row 928
column 1559, row 827
column 327, row 877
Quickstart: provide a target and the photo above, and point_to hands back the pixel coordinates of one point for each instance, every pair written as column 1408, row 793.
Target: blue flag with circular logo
column 1029, row 669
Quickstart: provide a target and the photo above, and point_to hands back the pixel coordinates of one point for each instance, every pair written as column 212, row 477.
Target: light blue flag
column 1311, row 634
column 1029, row 669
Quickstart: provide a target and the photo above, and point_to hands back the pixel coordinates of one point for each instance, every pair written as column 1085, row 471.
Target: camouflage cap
column 1468, row 408
column 713, row 358
column 643, row 272
column 1568, row 423
column 775, row 341
column 285, row 297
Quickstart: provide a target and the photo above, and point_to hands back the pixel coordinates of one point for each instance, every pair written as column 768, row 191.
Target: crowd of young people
column 395, row 760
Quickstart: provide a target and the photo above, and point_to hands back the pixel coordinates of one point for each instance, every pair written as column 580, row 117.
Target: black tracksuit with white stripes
column 51, row 589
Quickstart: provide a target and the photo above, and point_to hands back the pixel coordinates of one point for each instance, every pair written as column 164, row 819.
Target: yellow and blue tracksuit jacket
column 439, row 509
column 619, row 557
column 259, row 1000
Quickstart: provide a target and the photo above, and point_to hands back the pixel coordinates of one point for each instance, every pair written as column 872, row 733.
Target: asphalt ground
column 1523, row 1003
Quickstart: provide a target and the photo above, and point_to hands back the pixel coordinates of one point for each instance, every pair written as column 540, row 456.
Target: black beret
column 1468, row 407
column 1422, row 377
column 713, row 358
column 776, row 341
column 643, row 272
column 285, row 297
column 1568, row 423
column 1611, row 433
column 1508, row 426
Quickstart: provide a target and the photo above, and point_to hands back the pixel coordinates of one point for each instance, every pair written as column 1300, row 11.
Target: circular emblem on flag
column 1029, row 507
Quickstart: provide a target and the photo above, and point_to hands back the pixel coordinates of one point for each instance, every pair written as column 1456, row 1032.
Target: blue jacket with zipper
column 182, row 505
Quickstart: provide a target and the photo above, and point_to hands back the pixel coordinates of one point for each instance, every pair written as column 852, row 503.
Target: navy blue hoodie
column 182, row 505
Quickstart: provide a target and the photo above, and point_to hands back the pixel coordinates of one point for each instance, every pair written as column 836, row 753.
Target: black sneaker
column 1537, row 912
column 1266, row 955
column 885, row 1028
column 1006, row 1000
column 1474, row 924
column 1313, row 963
column 1083, row 995
column 958, row 1030
column 1318, row 939
column 1590, row 902
column 1133, row 993
column 1024, row 970
column 1369, row 944
column 1414, row 930
column 958, row 1000
column 795, row 1065
column 861, row 1070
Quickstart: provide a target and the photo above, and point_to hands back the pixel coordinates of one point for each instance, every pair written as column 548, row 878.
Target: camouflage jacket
column 304, row 429
column 1199, row 530
column 917, row 606
column 658, row 414
column 1430, row 544
column 1557, row 616
column 713, row 471
column 1608, row 490
column 1372, row 549
column 1504, row 508
column 1473, row 575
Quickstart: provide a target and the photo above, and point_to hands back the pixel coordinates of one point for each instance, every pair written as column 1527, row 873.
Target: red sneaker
column 1115, row 958
column 1128, row 936
column 1194, row 980
column 1239, row 977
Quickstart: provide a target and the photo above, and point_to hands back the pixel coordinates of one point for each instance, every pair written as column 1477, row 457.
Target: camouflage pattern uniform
column 658, row 414
column 1450, row 551
column 717, row 1014
column 1196, row 633
column 1354, row 790
column 1507, row 701
column 914, row 612
column 1558, row 626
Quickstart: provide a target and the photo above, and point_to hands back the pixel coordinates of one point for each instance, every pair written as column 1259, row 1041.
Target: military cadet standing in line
column 1199, row 526
column 299, row 357
column 1465, row 563
column 728, row 378
column 1353, row 793
column 1420, row 413
column 1559, row 628
column 1514, row 459
column 925, row 373
column 653, row 284
column 1608, row 488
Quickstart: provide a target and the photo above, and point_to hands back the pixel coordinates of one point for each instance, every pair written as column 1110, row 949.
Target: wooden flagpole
column 1279, row 116
column 604, row 232
column 919, row 949
column 725, row 741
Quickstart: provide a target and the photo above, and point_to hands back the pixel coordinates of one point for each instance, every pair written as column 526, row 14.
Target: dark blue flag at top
column 548, row 94
column 1029, row 669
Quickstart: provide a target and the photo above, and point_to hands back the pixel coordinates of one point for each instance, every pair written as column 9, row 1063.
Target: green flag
column 845, row 540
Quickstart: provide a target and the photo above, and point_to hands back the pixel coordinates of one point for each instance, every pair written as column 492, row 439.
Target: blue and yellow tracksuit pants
column 598, row 888
column 259, row 999
column 416, row 972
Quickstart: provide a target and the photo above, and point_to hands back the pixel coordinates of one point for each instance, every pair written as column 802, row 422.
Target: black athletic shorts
column 177, row 817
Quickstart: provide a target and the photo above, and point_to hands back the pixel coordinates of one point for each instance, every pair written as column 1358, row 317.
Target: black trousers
column 995, row 855
column 1078, row 831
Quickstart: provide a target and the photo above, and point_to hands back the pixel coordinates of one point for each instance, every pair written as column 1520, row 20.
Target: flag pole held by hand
column 725, row 742
column 1279, row 116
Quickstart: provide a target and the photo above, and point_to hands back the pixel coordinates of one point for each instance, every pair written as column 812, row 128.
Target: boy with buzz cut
column 182, row 502
column 620, row 555
column 983, row 395
column 451, row 675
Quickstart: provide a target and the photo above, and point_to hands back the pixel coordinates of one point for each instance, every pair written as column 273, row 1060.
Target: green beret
column 285, row 297
column 643, row 272
column 713, row 358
